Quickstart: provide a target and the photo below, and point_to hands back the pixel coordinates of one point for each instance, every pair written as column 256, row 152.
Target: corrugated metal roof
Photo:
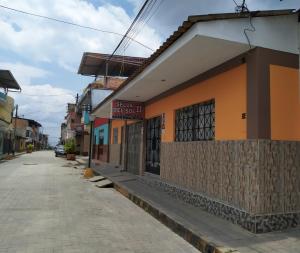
column 8, row 81
column 186, row 25
column 94, row 64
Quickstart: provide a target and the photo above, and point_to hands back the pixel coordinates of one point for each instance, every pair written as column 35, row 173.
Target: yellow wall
column 285, row 103
column 6, row 109
column 229, row 91
column 117, row 123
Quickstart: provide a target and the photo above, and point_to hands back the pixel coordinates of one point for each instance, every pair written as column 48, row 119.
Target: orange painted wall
column 116, row 123
column 285, row 103
column 229, row 91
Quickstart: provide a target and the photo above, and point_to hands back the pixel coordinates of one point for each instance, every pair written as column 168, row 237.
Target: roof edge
column 186, row 25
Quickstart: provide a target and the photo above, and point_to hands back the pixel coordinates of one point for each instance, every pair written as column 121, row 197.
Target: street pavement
column 46, row 206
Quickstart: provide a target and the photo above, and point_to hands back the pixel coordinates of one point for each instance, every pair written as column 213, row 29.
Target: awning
column 94, row 64
column 8, row 81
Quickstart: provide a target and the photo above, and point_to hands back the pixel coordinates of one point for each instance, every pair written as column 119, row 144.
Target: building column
column 258, row 88
column 142, row 162
column 258, row 95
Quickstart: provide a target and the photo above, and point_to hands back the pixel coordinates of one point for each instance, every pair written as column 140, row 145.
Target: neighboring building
column 7, row 83
column 20, row 131
column 44, row 141
column 214, row 115
column 27, row 131
column 100, row 141
column 93, row 94
column 114, row 73
column 70, row 127
column 63, row 133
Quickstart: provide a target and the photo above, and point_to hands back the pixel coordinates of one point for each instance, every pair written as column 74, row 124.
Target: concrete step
column 96, row 179
column 104, row 183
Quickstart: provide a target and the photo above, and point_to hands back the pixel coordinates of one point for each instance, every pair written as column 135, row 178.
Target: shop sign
column 122, row 109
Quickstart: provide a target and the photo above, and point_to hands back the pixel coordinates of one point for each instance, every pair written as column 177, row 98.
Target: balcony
column 3, row 98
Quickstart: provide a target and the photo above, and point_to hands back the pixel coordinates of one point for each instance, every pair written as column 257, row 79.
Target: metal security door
column 153, row 145
column 134, row 132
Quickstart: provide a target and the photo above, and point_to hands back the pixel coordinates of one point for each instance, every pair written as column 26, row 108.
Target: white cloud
column 48, row 41
column 24, row 73
column 44, row 103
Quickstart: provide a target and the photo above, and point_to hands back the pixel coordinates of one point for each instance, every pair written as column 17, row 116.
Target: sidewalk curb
column 199, row 242
column 11, row 157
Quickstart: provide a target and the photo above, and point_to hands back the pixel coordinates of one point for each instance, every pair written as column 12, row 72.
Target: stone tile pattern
column 253, row 223
column 256, row 177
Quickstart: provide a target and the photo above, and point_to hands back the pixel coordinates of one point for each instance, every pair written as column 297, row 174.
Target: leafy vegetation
column 30, row 147
column 70, row 147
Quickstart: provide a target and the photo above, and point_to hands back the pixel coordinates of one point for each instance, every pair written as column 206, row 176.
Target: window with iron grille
column 115, row 135
column 195, row 122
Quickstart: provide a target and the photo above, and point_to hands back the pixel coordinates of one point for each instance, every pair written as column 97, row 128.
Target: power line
column 144, row 22
column 73, row 24
column 140, row 21
column 133, row 28
column 130, row 27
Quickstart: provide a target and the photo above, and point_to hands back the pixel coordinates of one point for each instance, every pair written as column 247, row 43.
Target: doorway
column 134, row 132
column 153, row 145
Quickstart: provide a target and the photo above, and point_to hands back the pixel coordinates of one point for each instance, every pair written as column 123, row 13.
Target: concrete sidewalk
column 83, row 160
column 10, row 156
column 204, row 231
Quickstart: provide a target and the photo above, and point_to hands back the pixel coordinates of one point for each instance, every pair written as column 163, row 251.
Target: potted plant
column 29, row 148
column 70, row 149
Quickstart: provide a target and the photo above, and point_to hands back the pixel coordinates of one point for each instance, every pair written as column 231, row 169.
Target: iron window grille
column 195, row 122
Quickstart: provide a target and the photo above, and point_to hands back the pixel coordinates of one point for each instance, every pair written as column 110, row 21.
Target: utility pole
column 91, row 129
column 15, row 129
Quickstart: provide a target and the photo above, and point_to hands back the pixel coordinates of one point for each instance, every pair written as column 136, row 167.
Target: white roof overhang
column 204, row 46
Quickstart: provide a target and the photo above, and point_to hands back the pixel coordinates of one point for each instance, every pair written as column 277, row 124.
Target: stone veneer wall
column 114, row 154
column 255, row 176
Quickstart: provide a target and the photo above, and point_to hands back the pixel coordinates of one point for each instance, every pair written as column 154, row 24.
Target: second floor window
column 28, row 133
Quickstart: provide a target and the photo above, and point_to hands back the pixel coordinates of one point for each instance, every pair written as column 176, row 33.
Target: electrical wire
column 251, row 29
column 136, row 26
column 129, row 29
column 241, row 9
column 74, row 24
column 141, row 19
column 145, row 22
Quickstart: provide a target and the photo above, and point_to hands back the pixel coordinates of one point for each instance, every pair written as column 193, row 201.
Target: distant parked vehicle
column 59, row 150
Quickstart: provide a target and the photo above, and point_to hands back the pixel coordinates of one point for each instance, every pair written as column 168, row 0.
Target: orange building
column 221, row 118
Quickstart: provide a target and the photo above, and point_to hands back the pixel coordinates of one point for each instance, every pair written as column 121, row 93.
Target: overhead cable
column 73, row 24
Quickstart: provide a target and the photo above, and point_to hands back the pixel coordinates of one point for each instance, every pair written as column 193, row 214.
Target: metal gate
column 153, row 145
column 134, row 133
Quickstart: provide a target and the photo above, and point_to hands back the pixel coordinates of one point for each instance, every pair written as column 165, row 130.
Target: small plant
column 30, row 148
column 70, row 147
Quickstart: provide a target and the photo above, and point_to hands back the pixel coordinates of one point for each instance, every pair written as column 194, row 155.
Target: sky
column 44, row 56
